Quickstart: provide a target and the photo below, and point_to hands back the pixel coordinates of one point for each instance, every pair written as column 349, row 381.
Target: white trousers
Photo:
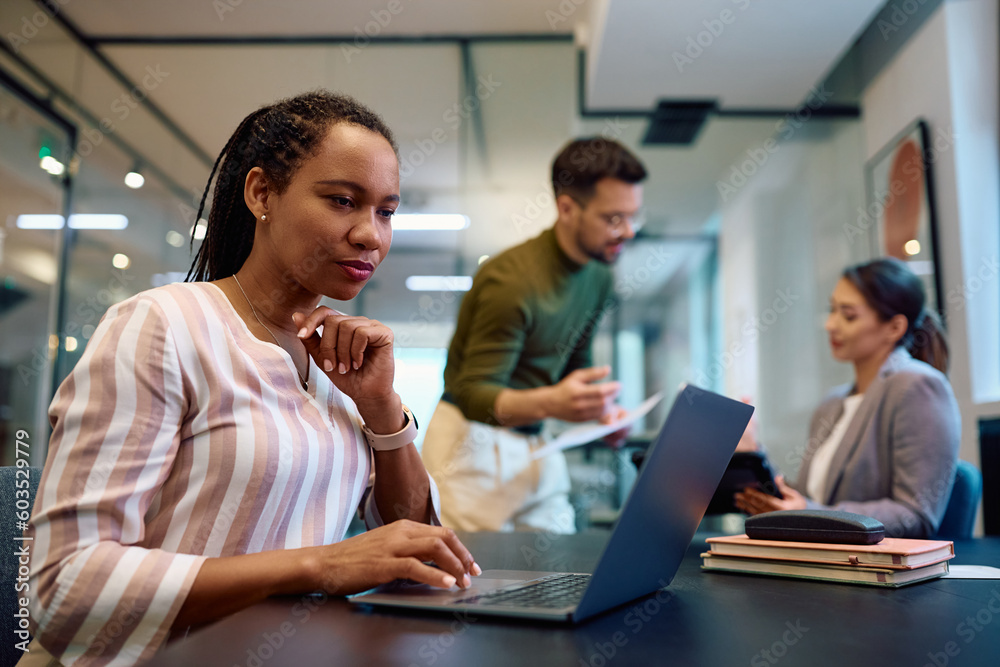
column 488, row 479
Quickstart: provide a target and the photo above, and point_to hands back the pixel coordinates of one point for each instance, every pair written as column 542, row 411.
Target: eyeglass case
column 830, row 526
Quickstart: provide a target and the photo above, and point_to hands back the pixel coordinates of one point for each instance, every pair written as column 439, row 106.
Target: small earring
column 263, row 217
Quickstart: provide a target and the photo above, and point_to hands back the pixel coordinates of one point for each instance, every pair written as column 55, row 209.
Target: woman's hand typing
column 399, row 550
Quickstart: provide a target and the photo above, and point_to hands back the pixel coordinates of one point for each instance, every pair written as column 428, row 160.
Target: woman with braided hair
column 213, row 442
column 885, row 445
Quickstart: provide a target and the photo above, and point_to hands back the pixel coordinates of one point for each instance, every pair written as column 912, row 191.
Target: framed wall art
column 900, row 197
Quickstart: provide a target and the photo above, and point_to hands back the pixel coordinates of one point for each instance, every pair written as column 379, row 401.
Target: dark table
column 712, row 619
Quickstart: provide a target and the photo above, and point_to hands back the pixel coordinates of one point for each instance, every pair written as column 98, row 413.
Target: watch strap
column 390, row 441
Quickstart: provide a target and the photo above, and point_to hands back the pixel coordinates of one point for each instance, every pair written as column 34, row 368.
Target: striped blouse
column 179, row 436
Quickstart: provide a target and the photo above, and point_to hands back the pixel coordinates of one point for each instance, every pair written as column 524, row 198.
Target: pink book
column 891, row 553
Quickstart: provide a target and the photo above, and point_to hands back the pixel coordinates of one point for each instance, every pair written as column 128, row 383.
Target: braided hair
column 891, row 288
column 278, row 138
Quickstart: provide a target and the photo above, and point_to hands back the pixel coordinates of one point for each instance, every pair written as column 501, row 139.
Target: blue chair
column 960, row 515
column 9, row 653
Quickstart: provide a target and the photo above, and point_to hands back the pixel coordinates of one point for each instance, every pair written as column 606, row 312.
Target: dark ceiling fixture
column 678, row 122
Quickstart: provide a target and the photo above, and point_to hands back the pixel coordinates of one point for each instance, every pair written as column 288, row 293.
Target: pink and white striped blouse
column 179, row 436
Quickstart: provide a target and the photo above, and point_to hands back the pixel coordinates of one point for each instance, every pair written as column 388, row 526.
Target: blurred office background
column 751, row 213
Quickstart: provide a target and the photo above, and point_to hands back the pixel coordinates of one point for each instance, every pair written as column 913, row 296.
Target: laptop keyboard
column 553, row 591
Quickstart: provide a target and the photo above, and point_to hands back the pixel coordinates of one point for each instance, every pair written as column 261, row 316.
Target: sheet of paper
column 584, row 433
column 972, row 572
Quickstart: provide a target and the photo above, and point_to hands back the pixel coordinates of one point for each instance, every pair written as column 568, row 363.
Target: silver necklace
column 303, row 380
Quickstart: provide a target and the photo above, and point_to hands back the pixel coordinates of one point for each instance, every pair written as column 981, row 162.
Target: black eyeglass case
column 830, row 526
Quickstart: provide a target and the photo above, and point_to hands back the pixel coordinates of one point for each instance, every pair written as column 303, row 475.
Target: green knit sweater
column 527, row 322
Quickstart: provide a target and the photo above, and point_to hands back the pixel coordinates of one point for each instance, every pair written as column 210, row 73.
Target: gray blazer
column 897, row 459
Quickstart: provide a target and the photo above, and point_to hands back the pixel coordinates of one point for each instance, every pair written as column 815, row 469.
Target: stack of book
column 893, row 562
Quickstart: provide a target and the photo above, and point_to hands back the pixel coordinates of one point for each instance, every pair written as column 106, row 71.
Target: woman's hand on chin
column 355, row 352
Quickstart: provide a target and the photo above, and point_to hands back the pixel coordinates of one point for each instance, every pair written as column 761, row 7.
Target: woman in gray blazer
column 887, row 444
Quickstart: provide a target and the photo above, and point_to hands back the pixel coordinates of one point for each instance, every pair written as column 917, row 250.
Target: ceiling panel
column 770, row 54
column 745, row 53
column 322, row 17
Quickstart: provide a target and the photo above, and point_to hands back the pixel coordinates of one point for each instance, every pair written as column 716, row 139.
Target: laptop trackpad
column 411, row 591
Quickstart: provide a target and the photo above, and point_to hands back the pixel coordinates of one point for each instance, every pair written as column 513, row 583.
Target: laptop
column 681, row 472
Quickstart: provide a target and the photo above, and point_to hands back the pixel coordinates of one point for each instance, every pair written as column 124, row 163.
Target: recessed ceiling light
column 134, row 179
column 52, row 165
column 429, row 222
column 40, row 221
column 176, row 239
column 439, row 283
column 200, row 229
column 97, row 221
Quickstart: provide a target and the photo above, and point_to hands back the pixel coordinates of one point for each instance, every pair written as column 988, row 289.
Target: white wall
column 782, row 247
column 947, row 74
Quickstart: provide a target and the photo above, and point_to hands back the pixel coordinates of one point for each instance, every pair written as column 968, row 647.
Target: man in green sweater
column 521, row 352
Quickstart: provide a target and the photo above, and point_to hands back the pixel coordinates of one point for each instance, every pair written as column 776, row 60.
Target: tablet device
column 744, row 469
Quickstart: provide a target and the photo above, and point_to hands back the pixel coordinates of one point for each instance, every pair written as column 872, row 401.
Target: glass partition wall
column 33, row 203
column 74, row 239
column 662, row 330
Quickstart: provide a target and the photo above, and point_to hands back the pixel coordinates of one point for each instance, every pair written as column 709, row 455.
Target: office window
column 419, row 381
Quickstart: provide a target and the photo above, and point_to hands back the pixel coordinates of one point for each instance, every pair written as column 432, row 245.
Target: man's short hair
column 585, row 161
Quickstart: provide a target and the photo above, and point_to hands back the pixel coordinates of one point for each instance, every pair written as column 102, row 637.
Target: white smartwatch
column 391, row 441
